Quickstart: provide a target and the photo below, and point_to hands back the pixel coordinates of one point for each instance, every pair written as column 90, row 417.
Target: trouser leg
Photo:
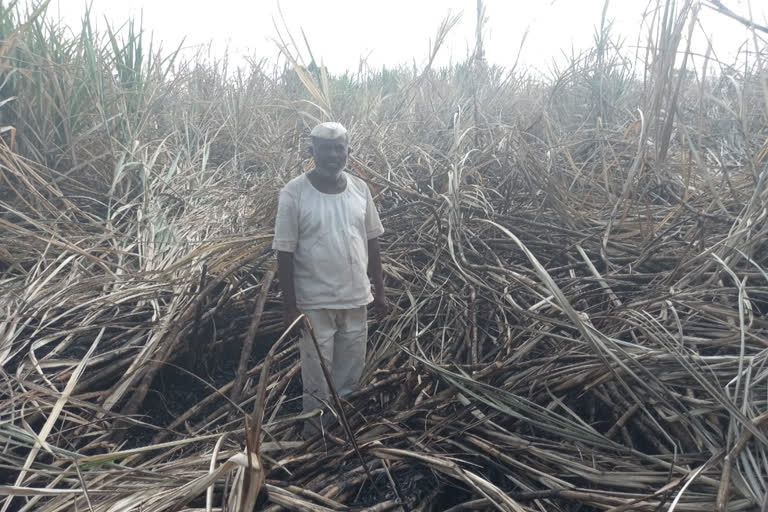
column 316, row 391
column 349, row 349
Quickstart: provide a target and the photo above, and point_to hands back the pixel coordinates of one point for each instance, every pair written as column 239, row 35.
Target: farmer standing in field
column 326, row 238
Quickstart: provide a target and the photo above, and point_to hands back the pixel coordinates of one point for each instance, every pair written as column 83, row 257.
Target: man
column 326, row 238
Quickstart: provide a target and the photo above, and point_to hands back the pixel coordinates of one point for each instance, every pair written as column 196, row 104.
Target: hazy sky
column 390, row 32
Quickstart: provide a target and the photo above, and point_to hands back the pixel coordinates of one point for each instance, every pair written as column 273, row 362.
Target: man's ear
column 311, row 150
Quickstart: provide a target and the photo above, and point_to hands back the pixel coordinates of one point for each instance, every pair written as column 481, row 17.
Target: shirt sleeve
column 287, row 223
column 373, row 225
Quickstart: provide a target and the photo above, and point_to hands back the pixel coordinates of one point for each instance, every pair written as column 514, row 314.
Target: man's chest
column 327, row 213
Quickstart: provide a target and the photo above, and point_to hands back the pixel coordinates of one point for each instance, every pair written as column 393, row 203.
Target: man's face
column 330, row 155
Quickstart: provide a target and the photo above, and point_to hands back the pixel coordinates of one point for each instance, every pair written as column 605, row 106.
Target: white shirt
column 328, row 235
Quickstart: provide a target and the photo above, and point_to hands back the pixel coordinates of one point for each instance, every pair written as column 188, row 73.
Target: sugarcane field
column 443, row 285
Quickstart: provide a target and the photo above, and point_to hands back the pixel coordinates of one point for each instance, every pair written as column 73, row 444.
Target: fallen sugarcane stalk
column 237, row 387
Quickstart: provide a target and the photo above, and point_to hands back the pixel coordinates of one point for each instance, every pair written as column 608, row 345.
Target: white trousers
column 342, row 336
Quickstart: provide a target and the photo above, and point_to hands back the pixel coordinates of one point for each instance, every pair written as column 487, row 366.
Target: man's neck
column 328, row 184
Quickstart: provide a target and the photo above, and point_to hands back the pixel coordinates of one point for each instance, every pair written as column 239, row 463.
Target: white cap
column 328, row 131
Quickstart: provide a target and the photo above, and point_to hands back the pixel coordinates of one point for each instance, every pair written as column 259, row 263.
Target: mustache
column 330, row 163
column 335, row 171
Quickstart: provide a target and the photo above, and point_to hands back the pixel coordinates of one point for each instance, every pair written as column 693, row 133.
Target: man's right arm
column 287, row 286
column 285, row 242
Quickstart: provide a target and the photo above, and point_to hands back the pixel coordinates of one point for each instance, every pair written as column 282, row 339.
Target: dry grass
column 578, row 266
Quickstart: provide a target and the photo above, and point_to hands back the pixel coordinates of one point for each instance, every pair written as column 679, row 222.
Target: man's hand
column 381, row 307
column 290, row 315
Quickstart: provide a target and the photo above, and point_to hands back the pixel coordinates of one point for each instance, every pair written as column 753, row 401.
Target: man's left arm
column 374, row 230
column 375, row 271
